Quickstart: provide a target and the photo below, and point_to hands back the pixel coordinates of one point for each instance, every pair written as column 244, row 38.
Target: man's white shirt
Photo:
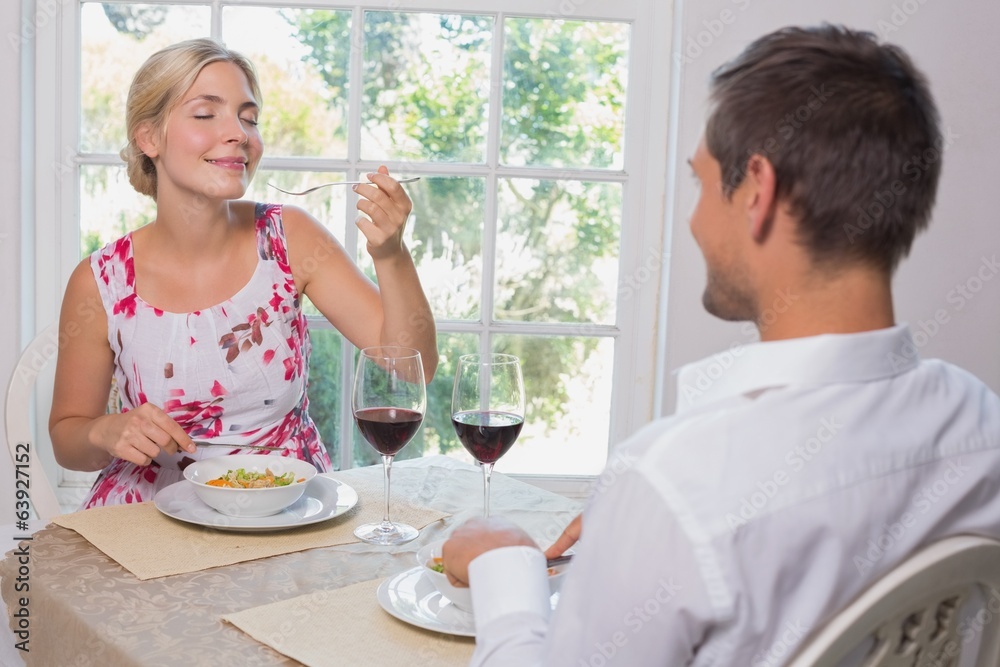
column 792, row 475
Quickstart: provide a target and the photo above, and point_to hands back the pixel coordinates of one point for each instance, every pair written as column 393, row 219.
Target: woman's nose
column 235, row 132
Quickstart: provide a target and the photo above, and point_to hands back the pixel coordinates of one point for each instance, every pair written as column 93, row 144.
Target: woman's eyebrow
column 215, row 99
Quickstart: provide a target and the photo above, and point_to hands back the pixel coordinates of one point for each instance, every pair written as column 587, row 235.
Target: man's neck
column 848, row 301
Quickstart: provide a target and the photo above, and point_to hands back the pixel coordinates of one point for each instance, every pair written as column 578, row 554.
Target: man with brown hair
column 806, row 466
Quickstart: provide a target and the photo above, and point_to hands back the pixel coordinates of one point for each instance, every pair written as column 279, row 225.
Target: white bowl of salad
column 250, row 485
column 429, row 556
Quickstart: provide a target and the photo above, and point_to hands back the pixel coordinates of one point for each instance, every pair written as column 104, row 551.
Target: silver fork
column 317, row 187
column 235, row 446
column 558, row 560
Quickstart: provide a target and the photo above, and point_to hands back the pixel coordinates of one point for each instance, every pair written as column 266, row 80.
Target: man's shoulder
column 961, row 377
column 792, row 444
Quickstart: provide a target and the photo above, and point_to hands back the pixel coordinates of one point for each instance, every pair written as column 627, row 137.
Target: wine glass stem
column 386, row 466
column 487, row 472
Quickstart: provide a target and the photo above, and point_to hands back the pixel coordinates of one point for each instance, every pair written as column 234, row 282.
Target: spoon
column 317, row 187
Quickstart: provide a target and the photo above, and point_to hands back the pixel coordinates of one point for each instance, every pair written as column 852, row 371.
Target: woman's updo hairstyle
column 158, row 86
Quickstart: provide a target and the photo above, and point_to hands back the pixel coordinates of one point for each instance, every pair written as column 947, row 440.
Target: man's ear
column 147, row 138
column 762, row 197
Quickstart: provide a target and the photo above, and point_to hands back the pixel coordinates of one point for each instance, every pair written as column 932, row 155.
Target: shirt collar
column 814, row 360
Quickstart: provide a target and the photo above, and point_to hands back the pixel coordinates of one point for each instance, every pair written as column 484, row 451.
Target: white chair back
column 911, row 615
column 29, row 474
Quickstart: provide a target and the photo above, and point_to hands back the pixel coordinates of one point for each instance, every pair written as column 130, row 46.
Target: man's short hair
column 851, row 129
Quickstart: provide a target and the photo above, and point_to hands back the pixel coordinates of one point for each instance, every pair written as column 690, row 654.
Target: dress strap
column 114, row 270
column 270, row 231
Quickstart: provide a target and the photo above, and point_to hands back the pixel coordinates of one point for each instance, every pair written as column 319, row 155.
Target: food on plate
column 241, row 479
column 437, row 564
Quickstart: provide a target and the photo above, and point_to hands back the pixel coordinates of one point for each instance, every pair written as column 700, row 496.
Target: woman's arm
column 396, row 312
column 83, row 436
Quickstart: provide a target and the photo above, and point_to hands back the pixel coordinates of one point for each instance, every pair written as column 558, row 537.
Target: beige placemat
column 149, row 544
column 347, row 626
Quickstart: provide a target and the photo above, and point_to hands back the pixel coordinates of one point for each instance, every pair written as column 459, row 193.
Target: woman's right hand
column 140, row 435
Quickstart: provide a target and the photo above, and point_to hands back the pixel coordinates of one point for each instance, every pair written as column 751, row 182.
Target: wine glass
column 389, row 402
column 487, row 409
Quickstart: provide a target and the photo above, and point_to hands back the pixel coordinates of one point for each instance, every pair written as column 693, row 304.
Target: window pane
column 109, row 207
column 326, row 204
column 567, row 384
column 447, row 231
column 301, row 57
column 557, row 251
column 564, row 93
column 426, row 86
column 444, row 235
column 115, row 40
column 324, row 388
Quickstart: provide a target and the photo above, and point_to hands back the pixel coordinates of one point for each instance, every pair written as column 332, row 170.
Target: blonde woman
column 197, row 315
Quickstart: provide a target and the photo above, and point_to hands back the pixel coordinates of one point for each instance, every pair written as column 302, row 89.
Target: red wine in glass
column 487, row 409
column 388, row 430
column 389, row 401
column 487, row 435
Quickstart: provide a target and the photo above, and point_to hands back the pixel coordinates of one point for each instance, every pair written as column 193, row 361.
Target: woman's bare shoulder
column 298, row 220
column 82, row 281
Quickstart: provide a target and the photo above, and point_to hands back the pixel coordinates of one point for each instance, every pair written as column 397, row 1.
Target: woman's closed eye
column 249, row 121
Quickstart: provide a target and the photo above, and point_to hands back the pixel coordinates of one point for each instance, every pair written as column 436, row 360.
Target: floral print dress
column 235, row 372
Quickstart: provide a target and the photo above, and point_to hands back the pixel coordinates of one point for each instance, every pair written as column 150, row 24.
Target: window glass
column 444, row 235
column 326, row 204
column 426, row 86
column 115, row 39
column 557, row 251
column 567, row 387
column 324, row 391
column 301, row 57
column 109, row 207
column 564, row 93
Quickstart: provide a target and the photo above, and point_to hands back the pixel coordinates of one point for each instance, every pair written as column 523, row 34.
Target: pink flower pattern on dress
column 245, row 335
column 215, row 370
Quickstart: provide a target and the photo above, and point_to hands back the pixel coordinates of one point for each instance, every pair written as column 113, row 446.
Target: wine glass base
column 386, row 534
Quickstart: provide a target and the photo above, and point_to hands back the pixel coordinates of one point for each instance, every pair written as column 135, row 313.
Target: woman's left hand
column 388, row 207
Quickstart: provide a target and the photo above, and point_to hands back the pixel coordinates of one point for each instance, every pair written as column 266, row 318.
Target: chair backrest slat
column 912, row 613
column 28, row 470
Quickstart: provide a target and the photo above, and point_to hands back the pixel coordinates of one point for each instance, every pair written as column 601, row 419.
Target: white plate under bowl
column 324, row 498
column 412, row 598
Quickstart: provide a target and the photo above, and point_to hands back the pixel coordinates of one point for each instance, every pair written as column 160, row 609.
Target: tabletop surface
column 87, row 610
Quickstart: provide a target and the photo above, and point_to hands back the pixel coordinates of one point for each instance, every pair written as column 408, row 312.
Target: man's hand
column 569, row 537
column 476, row 537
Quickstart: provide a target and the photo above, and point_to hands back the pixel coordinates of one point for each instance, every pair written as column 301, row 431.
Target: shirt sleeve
column 634, row 594
column 510, row 599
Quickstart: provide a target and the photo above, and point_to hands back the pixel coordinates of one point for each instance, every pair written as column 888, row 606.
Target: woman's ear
column 147, row 138
column 761, row 199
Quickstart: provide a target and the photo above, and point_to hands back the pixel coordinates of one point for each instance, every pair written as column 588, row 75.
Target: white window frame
column 637, row 380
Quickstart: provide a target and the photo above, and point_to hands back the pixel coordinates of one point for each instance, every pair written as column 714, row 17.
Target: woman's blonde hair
column 158, row 86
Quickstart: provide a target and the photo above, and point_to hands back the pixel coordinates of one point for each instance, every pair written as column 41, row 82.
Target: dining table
column 143, row 584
